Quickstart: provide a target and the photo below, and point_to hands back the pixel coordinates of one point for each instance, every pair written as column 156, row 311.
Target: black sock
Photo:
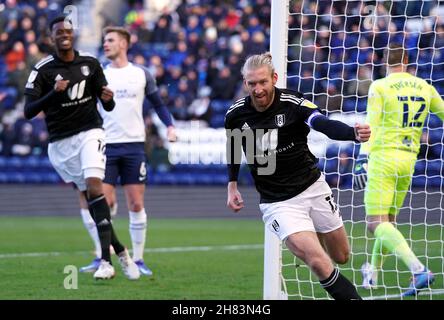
column 118, row 247
column 339, row 287
column 100, row 212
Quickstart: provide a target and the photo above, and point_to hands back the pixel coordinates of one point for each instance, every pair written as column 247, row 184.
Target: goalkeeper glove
column 360, row 172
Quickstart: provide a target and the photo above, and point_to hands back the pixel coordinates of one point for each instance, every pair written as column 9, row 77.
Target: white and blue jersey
column 125, row 125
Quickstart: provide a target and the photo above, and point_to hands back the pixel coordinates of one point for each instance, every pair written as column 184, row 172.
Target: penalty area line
column 149, row 250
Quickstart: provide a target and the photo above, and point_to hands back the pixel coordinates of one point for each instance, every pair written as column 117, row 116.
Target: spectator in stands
column 24, row 141
column 15, row 56
column 359, row 86
column 200, row 109
column 179, row 109
column 158, row 159
column 224, row 87
column 162, row 32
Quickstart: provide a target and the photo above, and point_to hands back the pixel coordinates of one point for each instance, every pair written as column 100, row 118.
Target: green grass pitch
column 191, row 259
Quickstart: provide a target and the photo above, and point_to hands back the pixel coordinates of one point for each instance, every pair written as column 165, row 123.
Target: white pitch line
column 151, row 250
column 394, row 296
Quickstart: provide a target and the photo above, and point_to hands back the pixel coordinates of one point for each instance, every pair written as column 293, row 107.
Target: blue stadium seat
column 349, row 105
column 420, row 167
column 185, row 179
column 217, row 121
column 3, row 177
column 3, row 163
column 33, row 177
column 14, row 163
column 163, row 178
column 50, row 178
column 362, row 105
column 434, row 168
column 436, row 135
column 16, row 177
column 433, row 121
column 32, row 163
column 419, row 181
column 11, row 97
column 220, row 106
column 332, row 151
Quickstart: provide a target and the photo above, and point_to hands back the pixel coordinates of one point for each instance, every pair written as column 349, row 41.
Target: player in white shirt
column 125, row 137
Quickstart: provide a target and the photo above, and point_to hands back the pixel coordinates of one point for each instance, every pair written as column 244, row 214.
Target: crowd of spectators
column 196, row 51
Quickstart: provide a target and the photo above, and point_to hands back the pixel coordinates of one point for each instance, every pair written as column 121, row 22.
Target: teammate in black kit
column 271, row 126
column 66, row 86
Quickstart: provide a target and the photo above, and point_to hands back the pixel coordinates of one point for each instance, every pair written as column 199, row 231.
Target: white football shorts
column 79, row 157
column 312, row 210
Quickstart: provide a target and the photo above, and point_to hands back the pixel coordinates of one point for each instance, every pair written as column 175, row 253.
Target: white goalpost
column 331, row 51
column 272, row 244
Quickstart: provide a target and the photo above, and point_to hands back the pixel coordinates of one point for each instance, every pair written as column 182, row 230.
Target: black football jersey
column 75, row 109
column 280, row 131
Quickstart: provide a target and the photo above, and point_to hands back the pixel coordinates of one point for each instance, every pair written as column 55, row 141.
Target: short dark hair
column 59, row 19
column 395, row 54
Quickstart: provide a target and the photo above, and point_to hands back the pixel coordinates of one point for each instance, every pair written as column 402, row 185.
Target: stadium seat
column 3, row 163
column 220, row 106
column 3, row 177
column 11, row 97
column 217, row 121
column 14, row 163
column 436, row 135
column 362, row 105
column 349, row 105
column 434, row 121
column 16, row 177
column 50, row 178
column 419, row 181
column 332, row 151
column 434, row 168
column 31, row 163
column 33, row 177
column 420, row 167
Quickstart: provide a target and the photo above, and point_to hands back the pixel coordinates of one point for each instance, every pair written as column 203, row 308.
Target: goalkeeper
column 397, row 108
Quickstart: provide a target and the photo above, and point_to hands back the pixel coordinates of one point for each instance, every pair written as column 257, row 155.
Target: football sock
column 137, row 228
column 378, row 257
column 394, row 241
column 100, row 213
column 118, row 247
column 113, row 209
column 339, row 287
column 90, row 225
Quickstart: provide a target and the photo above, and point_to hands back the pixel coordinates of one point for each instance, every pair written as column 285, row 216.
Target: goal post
column 278, row 50
column 331, row 51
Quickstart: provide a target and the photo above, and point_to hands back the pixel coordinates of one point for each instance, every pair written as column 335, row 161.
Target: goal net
column 332, row 51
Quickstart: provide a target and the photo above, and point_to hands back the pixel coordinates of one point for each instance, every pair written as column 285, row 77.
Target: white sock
column 90, row 225
column 137, row 228
column 113, row 210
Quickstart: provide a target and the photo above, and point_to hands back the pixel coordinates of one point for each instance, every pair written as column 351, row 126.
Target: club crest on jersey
column 280, row 120
column 85, row 70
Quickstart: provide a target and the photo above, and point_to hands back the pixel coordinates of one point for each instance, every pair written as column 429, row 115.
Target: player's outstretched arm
column 338, row 130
